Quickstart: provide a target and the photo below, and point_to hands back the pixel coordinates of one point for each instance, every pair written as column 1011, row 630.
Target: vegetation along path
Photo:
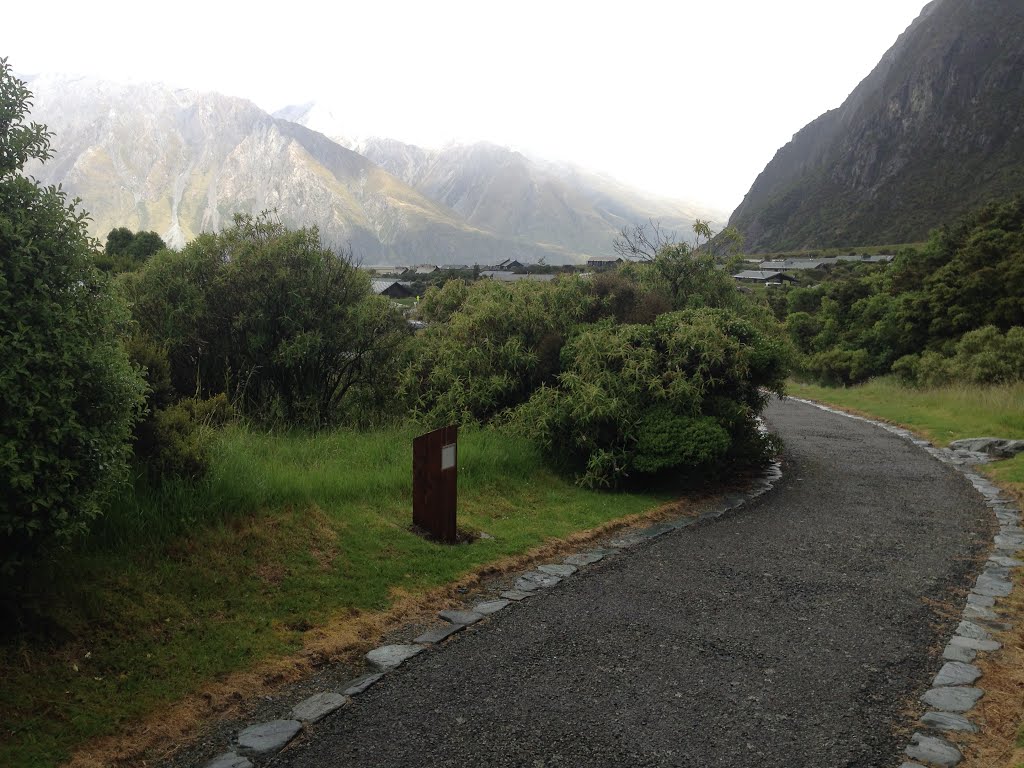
column 797, row 631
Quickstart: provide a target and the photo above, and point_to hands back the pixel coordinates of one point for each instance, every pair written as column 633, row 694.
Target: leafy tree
column 268, row 316
column 70, row 396
column 126, row 250
column 493, row 345
column 679, row 394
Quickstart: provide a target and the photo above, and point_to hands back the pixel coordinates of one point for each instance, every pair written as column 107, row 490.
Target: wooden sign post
column 434, row 475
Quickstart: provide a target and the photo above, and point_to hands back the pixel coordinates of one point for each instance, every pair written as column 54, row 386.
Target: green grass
column 180, row 587
column 942, row 414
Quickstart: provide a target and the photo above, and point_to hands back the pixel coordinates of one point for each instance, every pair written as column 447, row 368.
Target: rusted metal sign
column 434, row 475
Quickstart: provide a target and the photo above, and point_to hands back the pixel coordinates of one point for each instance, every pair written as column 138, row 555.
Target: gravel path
column 796, row 632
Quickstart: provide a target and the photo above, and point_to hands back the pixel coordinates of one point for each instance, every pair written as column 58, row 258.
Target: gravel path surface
column 796, row 632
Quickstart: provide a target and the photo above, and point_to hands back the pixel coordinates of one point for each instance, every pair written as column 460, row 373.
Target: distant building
column 604, row 262
column 454, row 267
column 386, row 269
column 764, row 277
column 878, row 258
column 393, row 289
column 424, row 269
column 514, row 277
column 796, row 264
column 507, row 266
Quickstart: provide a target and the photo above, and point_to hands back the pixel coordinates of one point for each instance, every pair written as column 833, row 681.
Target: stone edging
column 267, row 738
column 954, row 690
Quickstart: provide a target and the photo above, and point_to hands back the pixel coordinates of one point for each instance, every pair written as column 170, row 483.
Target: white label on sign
column 448, row 456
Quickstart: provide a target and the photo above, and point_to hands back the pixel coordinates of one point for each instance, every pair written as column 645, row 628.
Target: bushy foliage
column 70, row 396
column 286, row 328
column 126, row 250
column 969, row 275
column 680, row 393
column 499, row 343
column 984, row 356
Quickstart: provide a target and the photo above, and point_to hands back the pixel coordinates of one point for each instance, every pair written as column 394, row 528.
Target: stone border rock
column 954, row 692
column 528, row 584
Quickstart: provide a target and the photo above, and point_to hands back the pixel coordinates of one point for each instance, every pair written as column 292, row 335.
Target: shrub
column 70, row 396
column 638, row 400
column 286, row 328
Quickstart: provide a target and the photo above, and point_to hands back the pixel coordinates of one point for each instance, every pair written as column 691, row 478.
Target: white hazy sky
column 689, row 99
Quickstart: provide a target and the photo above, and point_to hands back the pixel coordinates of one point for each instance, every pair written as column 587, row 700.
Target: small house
column 604, row 262
column 764, row 277
column 508, row 265
column 393, row 289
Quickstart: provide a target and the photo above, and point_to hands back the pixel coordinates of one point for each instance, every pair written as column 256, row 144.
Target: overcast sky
column 685, row 98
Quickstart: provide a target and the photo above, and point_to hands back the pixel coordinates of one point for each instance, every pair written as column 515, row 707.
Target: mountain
column 181, row 162
column 935, row 129
column 511, row 194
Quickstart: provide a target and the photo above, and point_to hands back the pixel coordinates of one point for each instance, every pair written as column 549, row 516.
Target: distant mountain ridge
column 936, row 128
column 181, row 162
column 506, row 192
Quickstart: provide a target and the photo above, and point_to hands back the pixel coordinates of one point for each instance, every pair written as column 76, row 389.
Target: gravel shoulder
column 798, row 631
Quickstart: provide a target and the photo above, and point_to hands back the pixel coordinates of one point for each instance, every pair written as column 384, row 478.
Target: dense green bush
column 984, row 356
column 498, row 343
column 70, row 396
column 968, row 276
column 287, row 329
column 681, row 393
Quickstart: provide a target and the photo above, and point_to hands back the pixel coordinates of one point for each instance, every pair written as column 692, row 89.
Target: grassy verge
column 942, row 414
column 183, row 586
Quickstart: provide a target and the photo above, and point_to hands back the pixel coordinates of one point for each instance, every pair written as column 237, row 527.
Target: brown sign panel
column 434, row 474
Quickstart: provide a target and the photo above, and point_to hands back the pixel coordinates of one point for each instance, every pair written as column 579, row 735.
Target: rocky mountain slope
column 936, row 128
column 506, row 192
column 181, row 162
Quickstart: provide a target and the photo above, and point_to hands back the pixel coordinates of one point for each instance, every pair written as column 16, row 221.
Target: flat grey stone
column 655, row 531
column 947, row 721
column 1006, row 562
column 263, row 738
column 976, row 612
column 972, row 630
column 911, row 765
column 627, row 541
column 490, row 606
column 683, row 522
column 558, row 569
column 516, row 594
column 993, row 446
column 535, row 580
column 229, row 760
column 318, row 706
column 975, row 643
column 956, row 673
column 1013, row 542
column 584, row 558
column 993, row 587
column 931, row 749
column 959, row 653
column 360, row 684
column 437, row 634
column 461, row 617
column 983, row 601
column 390, row 656
column 952, row 699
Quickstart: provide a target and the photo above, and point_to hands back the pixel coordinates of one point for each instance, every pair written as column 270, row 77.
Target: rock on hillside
column 935, row 129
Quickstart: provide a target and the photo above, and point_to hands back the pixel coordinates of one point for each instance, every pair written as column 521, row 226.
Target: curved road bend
column 792, row 633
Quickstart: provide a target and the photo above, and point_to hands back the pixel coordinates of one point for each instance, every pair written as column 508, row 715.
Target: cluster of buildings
column 776, row 272
column 394, row 280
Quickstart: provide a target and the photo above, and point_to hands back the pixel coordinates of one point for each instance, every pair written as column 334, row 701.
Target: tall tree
column 69, row 393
